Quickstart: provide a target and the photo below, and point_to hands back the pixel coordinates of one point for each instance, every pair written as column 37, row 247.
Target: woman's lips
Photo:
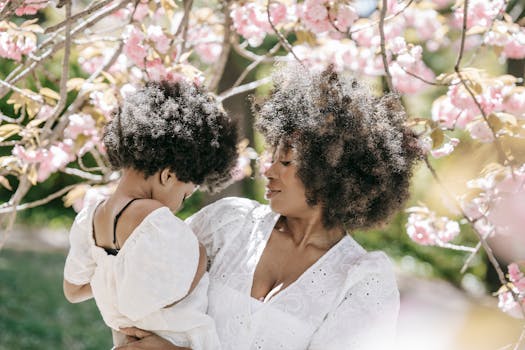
column 271, row 193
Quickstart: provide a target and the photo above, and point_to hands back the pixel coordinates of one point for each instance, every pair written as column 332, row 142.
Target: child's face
column 172, row 192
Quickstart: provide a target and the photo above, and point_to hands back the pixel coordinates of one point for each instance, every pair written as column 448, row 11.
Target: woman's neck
column 310, row 231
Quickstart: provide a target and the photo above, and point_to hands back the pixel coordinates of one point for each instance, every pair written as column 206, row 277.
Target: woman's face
column 285, row 191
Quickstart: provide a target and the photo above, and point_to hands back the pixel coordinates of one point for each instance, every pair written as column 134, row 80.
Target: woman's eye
column 286, row 162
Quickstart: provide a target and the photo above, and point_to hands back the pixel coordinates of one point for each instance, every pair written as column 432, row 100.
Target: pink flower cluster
column 320, row 16
column 506, row 301
column 509, row 36
column 498, row 206
column 426, row 228
column 480, row 13
column 49, row 160
column 16, row 42
column 408, row 59
column 459, row 110
column 206, row 42
column 31, row 7
column 251, row 20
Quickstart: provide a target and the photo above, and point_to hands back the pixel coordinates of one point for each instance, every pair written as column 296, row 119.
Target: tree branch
column 243, row 88
column 219, row 66
column 388, row 76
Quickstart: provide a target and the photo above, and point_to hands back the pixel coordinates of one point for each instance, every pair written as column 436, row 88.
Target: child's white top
column 154, row 268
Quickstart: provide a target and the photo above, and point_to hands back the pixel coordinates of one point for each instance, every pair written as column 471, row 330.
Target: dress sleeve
column 219, row 222
column 156, row 265
column 80, row 264
column 365, row 316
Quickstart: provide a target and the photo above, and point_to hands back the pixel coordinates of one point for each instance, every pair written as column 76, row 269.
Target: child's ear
column 167, row 176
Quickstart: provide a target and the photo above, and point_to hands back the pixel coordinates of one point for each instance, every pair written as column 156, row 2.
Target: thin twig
column 254, row 64
column 93, row 7
column 241, row 50
column 42, row 201
column 183, row 28
column 243, row 88
column 65, row 75
column 426, row 81
column 220, row 65
column 32, row 96
column 83, row 174
column 383, row 46
column 23, row 186
column 470, row 258
column 282, row 39
column 373, row 24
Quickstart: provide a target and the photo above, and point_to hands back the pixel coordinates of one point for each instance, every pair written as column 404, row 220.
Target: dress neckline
column 267, row 234
column 132, row 234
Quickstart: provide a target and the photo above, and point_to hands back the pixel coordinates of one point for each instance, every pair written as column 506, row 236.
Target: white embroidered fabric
column 347, row 300
column 154, row 268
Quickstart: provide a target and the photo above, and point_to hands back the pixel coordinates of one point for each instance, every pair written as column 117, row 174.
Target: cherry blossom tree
column 54, row 117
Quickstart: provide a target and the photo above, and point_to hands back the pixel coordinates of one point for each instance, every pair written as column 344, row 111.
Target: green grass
column 33, row 311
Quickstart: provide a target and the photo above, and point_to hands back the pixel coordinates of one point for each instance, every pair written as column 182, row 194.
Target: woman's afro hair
column 354, row 153
column 175, row 125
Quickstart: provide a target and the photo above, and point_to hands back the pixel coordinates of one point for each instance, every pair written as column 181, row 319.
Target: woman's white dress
column 154, row 268
column 347, row 300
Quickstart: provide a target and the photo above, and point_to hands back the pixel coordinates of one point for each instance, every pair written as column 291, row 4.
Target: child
column 144, row 266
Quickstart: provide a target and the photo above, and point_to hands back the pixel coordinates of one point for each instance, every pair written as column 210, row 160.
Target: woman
column 289, row 275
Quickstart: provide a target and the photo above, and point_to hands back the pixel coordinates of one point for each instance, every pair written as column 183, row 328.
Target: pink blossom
column 251, row 20
column 141, row 12
column 13, row 46
column 31, row 7
column 515, row 102
column 134, row 47
column 420, row 230
column 479, row 130
column 446, row 148
column 426, row 22
column 515, row 273
column 80, row 124
column 106, row 101
column 480, row 13
column 28, row 156
column 448, row 115
column 425, row 228
column 507, row 304
column 346, row 16
column 45, row 112
column 57, row 157
column 159, row 39
column 515, row 47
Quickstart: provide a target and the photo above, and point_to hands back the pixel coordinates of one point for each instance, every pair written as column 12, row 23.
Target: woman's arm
column 77, row 293
column 146, row 341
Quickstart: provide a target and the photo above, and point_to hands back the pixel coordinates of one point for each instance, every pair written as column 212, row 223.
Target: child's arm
column 201, row 269
column 75, row 293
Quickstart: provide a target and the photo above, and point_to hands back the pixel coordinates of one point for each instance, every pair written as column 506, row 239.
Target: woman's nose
column 270, row 171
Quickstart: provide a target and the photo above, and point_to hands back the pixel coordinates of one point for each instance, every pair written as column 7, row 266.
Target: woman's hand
column 144, row 340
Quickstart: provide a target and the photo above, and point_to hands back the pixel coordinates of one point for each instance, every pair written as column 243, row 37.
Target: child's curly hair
column 355, row 155
column 175, row 125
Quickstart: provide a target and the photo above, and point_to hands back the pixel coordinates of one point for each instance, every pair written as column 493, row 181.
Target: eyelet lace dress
column 154, row 268
column 347, row 300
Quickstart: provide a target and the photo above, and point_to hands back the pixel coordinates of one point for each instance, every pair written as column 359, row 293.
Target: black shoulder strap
column 116, row 220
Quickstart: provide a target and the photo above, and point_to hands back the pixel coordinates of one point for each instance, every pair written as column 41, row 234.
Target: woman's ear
column 166, row 176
